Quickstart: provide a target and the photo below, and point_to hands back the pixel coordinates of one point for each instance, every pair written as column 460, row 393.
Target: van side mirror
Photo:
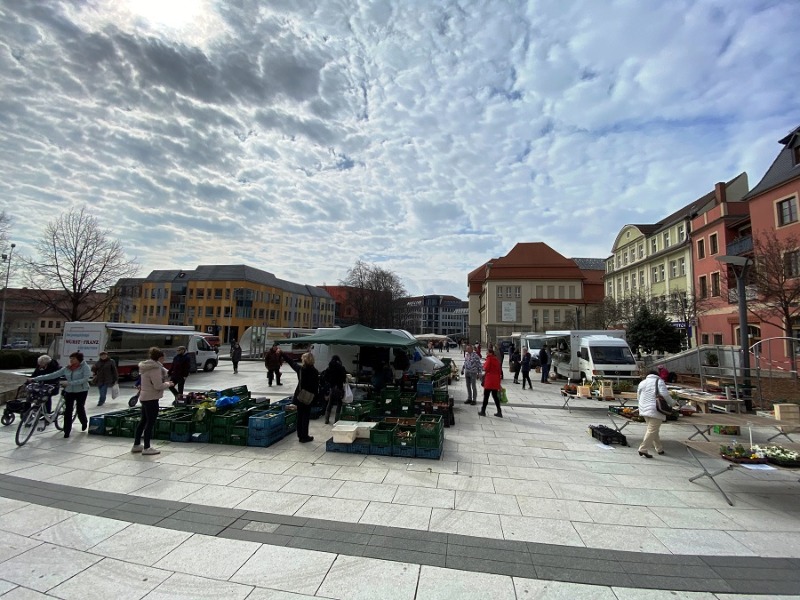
column 578, row 354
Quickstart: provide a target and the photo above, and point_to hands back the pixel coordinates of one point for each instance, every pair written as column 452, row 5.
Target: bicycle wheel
column 61, row 407
column 27, row 424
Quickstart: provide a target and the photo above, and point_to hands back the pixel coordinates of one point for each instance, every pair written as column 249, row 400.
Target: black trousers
column 177, row 389
column 147, row 422
column 303, row 417
column 75, row 401
column 526, row 376
column 276, row 373
column 334, row 401
column 496, row 395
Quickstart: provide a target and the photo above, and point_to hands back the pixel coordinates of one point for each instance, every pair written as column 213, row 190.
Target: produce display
column 739, row 454
column 779, row 455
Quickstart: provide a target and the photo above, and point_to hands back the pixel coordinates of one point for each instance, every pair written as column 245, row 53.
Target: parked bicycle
column 37, row 417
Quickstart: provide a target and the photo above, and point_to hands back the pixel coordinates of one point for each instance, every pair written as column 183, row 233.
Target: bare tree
column 688, row 307
column 775, row 279
column 5, row 226
column 77, row 267
column 374, row 292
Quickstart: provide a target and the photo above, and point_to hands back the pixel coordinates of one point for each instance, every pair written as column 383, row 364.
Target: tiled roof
column 782, row 169
column 533, row 260
column 591, row 264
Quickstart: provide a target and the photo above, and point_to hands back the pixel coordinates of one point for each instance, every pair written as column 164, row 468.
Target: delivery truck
column 589, row 354
column 127, row 344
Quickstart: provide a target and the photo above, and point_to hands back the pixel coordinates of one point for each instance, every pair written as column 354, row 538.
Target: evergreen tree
column 652, row 332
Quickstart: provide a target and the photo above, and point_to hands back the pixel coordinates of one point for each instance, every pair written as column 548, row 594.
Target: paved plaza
column 525, row 507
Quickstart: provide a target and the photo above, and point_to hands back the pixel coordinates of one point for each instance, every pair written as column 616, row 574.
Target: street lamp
column 740, row 266
column 7, row 258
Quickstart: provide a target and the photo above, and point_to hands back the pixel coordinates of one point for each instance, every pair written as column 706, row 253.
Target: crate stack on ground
column 406, row 437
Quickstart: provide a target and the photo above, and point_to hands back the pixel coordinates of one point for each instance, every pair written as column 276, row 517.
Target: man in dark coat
column 179, row 371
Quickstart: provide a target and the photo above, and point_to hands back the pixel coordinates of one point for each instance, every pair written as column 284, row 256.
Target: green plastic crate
column 430, row 426
column 382, row 434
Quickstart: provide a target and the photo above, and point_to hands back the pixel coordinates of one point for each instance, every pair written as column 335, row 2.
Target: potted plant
column 738, row 454
column 712, row 360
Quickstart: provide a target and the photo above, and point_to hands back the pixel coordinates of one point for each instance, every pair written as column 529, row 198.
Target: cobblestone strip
column 594, row 566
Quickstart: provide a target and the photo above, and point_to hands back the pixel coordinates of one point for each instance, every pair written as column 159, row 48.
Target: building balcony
column 740, row 246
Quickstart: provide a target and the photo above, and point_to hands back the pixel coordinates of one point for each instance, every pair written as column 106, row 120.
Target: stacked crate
column 381, row 438
column 267, row 427
column 430, row 436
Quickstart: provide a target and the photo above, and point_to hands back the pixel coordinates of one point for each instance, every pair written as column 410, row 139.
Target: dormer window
column 796, row 155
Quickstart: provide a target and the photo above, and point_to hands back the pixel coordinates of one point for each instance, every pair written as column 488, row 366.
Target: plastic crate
column 273, row 419
column 284, row 402
column 430, row 426
column 441, row 396
column 404, row 451
column 239, row 390
column 430, row 442
column 430, row 453
column 382, row 434
column 331, row 446
column 380, row 450
column 424, row 388
column 607, row 436
column 403, row 421
column 359, row 446
column 97, row 425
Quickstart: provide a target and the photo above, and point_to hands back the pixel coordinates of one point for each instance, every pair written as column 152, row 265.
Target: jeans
column 149, row 410
column 103, row 389
column 545, row 373
column 76, row 400
column 472, row 386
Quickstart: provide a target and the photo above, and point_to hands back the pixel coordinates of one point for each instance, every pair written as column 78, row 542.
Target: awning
column 153, row 331
column 355, row 335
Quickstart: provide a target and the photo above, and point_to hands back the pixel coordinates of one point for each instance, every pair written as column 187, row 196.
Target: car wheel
column 209, row 366
column 134, row 374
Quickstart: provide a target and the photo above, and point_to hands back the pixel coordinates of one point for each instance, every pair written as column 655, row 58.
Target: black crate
column 608, row 436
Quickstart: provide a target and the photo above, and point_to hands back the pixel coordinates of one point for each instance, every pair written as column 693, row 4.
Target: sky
column 425, row 137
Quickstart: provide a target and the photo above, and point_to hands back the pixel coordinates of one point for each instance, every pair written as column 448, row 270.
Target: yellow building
column 221, row 299
column 653, row 263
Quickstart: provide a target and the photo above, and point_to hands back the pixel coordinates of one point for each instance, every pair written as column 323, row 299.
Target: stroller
column 27, row 395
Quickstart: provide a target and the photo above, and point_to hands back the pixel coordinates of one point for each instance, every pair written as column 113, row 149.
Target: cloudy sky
column 425, row 136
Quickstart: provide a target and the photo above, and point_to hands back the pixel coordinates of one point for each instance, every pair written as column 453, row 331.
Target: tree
column 775, row 280
column 5, row 225
column 688, row 307
column 375, row 293
column 77, row 267
column 651, row 332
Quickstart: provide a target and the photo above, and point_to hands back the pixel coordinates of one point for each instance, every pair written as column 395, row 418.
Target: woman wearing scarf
column 76, row 387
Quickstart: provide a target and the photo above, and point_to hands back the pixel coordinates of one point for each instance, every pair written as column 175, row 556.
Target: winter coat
column 544, row 357
column 236, row 353
column 51, row 367
column 307, row 375
column 77, row 380
column 515, row 360
column 472, row 364
column 273, row 360
column 105, row 372
column 525, row 365
column 180, row 365
column 491, row 368
column 154, row 380
column 335, row 374
column 646, row 395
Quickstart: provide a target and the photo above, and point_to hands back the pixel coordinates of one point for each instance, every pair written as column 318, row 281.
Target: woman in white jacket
column 155, row 380
column 646, row 393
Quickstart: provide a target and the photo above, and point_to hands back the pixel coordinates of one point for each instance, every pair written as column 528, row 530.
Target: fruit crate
column 404, row 421
column 127, row 428
column 424, row 388
column 113, row 420
column 441, row 396
column 356, row 410
column 382, row 434
column 331, row 446
column 290, row 423
column 181, row 430
column 380, row 450
column 430, row 426
column 316, row 412
column 404, row 441
column 238, row 390
column 359, row 446
column 262, row 439
column 270, row 420
column 97, row 425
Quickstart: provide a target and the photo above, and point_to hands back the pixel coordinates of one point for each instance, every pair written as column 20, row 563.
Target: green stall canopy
column 355, row 335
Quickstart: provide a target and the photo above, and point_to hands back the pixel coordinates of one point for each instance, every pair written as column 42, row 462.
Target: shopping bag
column 503, row 396
column 348, row 394
column 115, row 391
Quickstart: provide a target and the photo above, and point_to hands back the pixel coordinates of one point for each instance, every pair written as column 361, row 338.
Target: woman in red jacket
column 491, row 382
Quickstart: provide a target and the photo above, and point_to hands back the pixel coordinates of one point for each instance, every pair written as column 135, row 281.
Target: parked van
column 591, row 354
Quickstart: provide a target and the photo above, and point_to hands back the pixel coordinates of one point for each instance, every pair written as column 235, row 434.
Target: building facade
column 444, row 315
column 221, row 299
column 653, row 263
column 532, row 288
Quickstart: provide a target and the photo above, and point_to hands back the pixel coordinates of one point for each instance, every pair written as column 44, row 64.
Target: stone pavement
column 528, row 506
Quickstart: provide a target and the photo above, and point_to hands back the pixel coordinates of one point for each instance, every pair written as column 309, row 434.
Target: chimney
column 719, row 193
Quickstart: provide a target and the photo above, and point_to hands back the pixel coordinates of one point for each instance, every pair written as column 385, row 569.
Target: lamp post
column 740, row 266
column 7, row 258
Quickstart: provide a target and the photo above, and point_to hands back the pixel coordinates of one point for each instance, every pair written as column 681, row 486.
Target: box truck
column 591, row 354
column 127, row 344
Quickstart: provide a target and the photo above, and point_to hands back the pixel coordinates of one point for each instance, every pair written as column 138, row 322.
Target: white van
column 592, row 354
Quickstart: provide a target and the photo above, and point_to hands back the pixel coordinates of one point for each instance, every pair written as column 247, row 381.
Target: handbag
column 115, row 391
column 133, row 400
column 662, row 405
column 301, row 395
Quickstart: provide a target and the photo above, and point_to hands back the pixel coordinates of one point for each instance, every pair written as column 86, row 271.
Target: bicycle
column 38, row 394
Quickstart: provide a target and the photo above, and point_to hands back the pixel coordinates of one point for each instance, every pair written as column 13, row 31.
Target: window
column 556, row 316
column 682, row 266
column 666, row 239
column 661, row 274
column 610, row 287
column 562, row 292
column 796, row 155
column 681, row 233
column 572, row 292
column 540, row 291
column 535, row 317
column 673, row 268
column 201, row 293
column 701, row 249
column 791, row 261
column 499, row 291
column 546, row 316
column 551, row 291
column 654, row 275
column 641, row 251
column 713, row 246
column 42, row 325
column 653, row 246
column 787, row 211
column 718, row 339
column 518, row 292
column 641, row 278
column 619, row 286
column 715, row 284
column 704, row 339
column 703, row 291
column 209, row 311
column 625, row 258
column 633, row 281
column 509, row 291
column 626, row 283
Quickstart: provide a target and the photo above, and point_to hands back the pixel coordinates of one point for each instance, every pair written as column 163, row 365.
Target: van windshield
column 612, row 355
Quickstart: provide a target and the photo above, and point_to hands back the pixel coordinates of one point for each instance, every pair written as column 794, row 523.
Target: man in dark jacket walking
column 544, row 359
column 179, row 371
column 105, row 376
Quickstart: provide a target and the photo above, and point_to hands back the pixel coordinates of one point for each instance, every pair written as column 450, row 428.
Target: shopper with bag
column 651, row 390
column 472, row 371
column 336, row 377
column 491, row 383
column 155, row 380
column 307, row 389
column 105, row 377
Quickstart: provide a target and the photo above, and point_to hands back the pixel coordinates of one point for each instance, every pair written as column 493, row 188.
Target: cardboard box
column 787, row 412
column 584, row 391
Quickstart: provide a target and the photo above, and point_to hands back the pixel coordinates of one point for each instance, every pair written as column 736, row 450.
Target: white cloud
column 428, row 137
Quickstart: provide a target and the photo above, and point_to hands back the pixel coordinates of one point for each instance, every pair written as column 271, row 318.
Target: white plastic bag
column 348, row 394
column 115, row 391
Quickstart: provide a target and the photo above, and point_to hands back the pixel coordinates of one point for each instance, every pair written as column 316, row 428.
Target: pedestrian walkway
column 528, row 506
